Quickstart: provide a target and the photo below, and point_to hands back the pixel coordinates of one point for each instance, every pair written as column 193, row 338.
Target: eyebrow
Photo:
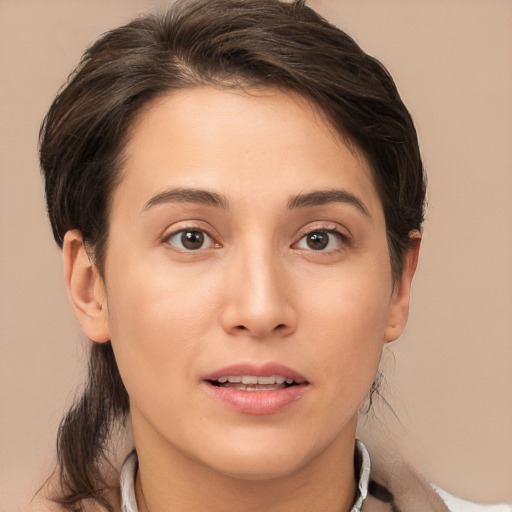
column 188, row 195
column 306, row 200
column 322, row 197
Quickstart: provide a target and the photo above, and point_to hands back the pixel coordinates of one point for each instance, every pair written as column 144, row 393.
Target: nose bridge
column 258, row 300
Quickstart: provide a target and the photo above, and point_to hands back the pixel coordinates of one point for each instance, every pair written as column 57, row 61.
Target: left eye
column 190, row 240
column 320, row 240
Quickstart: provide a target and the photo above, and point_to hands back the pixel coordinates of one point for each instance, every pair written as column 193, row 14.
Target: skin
column 255, row 292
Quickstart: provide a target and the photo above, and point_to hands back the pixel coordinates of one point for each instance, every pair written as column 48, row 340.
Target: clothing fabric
column 395, row 488
column 127, row 484
column 458, row 504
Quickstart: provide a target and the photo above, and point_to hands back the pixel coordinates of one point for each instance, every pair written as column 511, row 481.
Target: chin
column 260, row 468
column 260, row 459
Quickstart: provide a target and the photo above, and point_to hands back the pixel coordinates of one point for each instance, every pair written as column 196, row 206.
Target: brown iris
column 192, row 239
column 317, row 240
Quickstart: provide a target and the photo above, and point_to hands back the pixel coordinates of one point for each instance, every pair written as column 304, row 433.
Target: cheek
column 347, row 323
column 150, row 300
column 156, row 322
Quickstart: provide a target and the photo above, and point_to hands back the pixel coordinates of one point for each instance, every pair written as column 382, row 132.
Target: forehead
column 257, row 142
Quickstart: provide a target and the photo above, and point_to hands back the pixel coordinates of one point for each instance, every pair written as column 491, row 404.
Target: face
column 248, row 288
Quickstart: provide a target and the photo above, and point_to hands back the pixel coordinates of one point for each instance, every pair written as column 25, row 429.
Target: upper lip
column 258, row 370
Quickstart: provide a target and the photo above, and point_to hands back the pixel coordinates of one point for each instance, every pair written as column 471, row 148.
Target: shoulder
column 44, row 504
column 44, row 500
column 396, row 486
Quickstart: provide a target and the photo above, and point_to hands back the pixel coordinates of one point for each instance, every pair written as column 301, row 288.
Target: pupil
column 192, row 239
column 318, row 240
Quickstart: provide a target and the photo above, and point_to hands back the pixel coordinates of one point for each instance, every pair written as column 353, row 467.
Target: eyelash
column 204, row 237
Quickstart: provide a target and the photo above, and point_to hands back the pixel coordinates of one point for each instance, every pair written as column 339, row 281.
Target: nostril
column 279, row 327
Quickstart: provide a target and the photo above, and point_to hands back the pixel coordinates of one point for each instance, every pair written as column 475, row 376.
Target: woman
column 238, row 192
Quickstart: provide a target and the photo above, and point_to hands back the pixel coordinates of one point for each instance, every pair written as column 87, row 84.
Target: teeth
column 267, row 380
column 256, row 387
column 254, row 379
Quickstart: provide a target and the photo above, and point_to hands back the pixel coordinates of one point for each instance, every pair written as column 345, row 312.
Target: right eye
column 190, row 240
column 325, row 240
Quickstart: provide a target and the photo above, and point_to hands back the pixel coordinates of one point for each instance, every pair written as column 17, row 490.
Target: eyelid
column 332, row 229
column 166, row 238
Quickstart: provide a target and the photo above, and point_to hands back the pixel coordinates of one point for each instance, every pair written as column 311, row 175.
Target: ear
column 85, row 287
column 399, row 307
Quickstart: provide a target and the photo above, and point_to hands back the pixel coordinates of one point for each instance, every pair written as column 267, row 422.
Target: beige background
column 449, row 377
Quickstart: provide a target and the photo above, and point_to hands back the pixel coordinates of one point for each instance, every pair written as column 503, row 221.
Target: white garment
column 127, row 483
column 459, row 505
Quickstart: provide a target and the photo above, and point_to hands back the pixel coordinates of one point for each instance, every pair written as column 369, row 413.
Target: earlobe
column 85, row 287
column 399, row 307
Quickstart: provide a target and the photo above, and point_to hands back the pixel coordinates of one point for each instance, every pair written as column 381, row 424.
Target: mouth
column 256, row 389
column 255, row 382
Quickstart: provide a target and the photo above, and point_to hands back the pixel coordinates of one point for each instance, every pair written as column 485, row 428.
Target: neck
column 166, row 477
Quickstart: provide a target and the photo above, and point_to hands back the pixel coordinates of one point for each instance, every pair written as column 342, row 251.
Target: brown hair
column 227, row 43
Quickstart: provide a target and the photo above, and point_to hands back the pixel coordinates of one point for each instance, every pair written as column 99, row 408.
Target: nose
column 258, row 297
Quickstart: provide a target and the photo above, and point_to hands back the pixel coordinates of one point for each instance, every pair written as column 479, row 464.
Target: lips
column 256, row 389
column 256, row 370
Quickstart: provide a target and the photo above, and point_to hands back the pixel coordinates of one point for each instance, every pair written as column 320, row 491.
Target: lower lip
column 257, row 402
